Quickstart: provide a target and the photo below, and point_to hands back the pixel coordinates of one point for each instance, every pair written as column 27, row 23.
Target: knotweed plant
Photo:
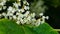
column 19, row 11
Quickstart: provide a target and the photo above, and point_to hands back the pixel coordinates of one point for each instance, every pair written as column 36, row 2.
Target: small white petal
column 0, row 14
column 24, row 2
column 43, row 17
column 19, row 10
column 26, row 14
column 4, row 1
column 22, row 22
column 33, row 19
column 15, row 4
column 1, row 3
column 29, row 18
column 17, row 13
column 10, row 18
column 43, row 21
column 27, row 3
column 33, row 15
column 13, row 10
column 4, row 14
column 20, row 15
column 19, row 4
column 10, row 14
column 22, row 10
column 38, row 22
column 41, row 14
column 14, row 17
column 18, row 22
column 18, row 18
column 4, row 7
column 47, row 17
column 26, row 7
column 25, row 20
column 19, row 0
column 10, row 8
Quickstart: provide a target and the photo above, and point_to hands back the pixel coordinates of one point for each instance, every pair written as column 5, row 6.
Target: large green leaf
column 10, row 27
column 45, row 29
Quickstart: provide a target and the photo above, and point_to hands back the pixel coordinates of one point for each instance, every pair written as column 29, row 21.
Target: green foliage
column 37, row 6
column 10, row 27
column 54, row 3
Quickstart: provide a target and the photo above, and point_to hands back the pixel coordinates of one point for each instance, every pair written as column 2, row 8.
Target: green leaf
column 45, row 29
column 10, row 27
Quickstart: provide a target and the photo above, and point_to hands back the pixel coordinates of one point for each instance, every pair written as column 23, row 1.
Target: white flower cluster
column 22, row 15
column 2, row 5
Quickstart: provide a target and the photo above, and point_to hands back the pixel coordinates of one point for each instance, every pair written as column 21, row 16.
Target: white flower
column 18, row 22
column 29, row 18
column 28, row 21
column 22, row 10
column 41, row 14
column 20, row 15
column 4, row 7
column 17, row 13
column 26, row 7
column 4, row 14
column 18, row 0
column 33, row 21
column 14, row 10
column 10, row 18
column 33, row 15
column 43, row 17
column 47, row 17
column 10, row 8
column 1, row 4
column 19, row 4
column 14, row 17
column 25, row 20
column 43, row 21
column 15, row 4
column 26, row 14
column 19, row 10
column 10, row 14
column 27, row 3
column 18, row 18
column 24, row 2
column 4, row 1
column 22, row 22
column 37, row 22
